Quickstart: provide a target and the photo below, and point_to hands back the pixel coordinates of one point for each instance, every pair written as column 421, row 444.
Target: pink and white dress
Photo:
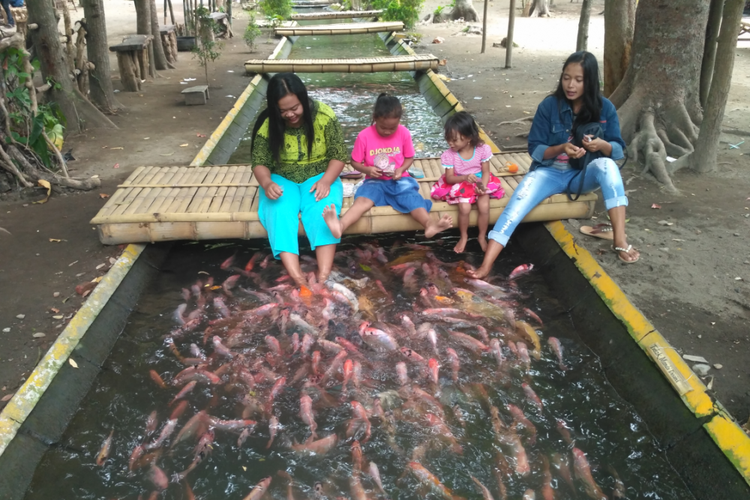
column 465, row 192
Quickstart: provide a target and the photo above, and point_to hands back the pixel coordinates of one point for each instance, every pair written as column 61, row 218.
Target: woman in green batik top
column 298, row 153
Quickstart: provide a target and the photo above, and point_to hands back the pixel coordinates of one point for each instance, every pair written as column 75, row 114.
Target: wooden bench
column 196, row 95
column 132, row 60
column 744, row 30
column 169, row 42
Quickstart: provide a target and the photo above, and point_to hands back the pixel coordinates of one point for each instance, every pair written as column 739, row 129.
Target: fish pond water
column 399, row 372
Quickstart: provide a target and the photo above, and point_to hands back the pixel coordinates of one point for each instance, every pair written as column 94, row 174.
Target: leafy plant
column 29, row 126
column 406, row 11
column 275, row 20
column 251, row 33
column 439, row 9
column 208, row 49
column 281, row 8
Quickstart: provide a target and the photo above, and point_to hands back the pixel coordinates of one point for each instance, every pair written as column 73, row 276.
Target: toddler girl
column 384, row 151
column 467, row 179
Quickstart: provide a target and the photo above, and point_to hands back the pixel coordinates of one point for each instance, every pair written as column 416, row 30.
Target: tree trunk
column 143, row 27
column 102, row 92
column 704, row 157
column 78, row 111
column 583, row 26
column 658, row 98
column 509, row 38
column 709, row 49
column 541, row 7
column 465, row 9
column 619, row 21
column 160, row 61
column 68, row 27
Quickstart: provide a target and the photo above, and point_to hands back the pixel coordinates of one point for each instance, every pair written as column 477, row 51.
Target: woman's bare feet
column 433, row 227
column 482, row 238
column 461, row 245
column 490, row 255
column 332, row 221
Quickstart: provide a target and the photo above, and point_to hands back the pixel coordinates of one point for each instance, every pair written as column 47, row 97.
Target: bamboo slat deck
column 354, row 65
column 342, row 14
column 202, row 203
column 339, row 29
column 310, row 4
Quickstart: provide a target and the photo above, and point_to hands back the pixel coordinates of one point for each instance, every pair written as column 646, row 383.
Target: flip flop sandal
column 617, row 250
column 603, row 231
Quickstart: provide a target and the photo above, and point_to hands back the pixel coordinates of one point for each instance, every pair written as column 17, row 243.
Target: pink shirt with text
column 371, row 149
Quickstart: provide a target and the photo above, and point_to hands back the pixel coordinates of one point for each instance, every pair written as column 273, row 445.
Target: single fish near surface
column 583, row 473
column 520, row 271
column 196, row 426
column 221, row 307
column 519, row 417
column 525, row 329
column 402, row 373
column 429, row 481
column 532, row 396
column 523, row 355
column 184, row 391
column 351, row 299
column 166, row 431
column 469, row 342
column 547, row 491
column 356, row 489
column 486, row 495
column 497, row 352
column 412, row 355
column 227, row 263
column 220, row 348
column 529, row 495
column 375, row 475
column 158, row 478
column 259, row 490
column 562, row 428
column 307, row 343
column 151, row 423
column 105, row 449
column 358, row 458
column 433, row 369
column 157, row 378
column 306, row 413
column 379, row 340
column 531, row 314
column 357, row 374
column 454, row 362
column 273, row 428
column 560, row 463
column 557, row 348
column 317, row 447
column 273, row 344
column 230, row 283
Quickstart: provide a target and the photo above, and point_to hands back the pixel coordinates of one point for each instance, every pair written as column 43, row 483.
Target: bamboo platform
column 215, row 202
column 342, row 14
column 339, row 29
column 311, row 4
column 421, row 62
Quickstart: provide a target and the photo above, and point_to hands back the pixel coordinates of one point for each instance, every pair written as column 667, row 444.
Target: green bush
column 251, row 33
column 406, row 11
column 273, row 8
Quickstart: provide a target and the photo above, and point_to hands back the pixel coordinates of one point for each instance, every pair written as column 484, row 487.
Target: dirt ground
column 691, row 281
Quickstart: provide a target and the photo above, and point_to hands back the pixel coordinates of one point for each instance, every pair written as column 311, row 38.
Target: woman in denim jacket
column 576, row 102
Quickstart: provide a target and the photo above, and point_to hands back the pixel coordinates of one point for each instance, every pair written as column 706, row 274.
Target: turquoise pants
column 280, row 216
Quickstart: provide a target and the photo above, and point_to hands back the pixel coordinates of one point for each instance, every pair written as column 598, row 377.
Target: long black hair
column 463, row 123
column 281, row 85
column 591, row 105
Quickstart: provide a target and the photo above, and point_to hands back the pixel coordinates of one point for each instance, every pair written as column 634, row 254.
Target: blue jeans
column 6, row 6
column 546, row 181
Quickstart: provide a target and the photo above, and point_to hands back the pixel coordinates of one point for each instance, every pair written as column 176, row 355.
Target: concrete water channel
column 632, row 405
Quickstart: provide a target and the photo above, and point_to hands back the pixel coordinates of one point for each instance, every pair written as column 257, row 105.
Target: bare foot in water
column 433, row 228
column 482, row 242
column 461, row 245
column 480, row 273
column 332, row 221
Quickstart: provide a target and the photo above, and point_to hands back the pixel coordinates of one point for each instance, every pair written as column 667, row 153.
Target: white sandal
column 617, row 250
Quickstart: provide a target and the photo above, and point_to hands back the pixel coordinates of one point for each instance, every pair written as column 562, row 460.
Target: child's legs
column 535, row 187
column 356, row 211
column 315, row 226
column 464, row 210
column 483, row 207
column 280, row 217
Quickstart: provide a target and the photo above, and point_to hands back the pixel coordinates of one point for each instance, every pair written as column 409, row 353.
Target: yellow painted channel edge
column 24, row 401
column 730, row 438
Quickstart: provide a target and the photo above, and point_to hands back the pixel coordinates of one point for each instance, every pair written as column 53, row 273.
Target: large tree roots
column 655, row 132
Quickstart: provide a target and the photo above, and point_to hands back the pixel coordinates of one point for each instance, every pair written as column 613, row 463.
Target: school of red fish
column 340, row 368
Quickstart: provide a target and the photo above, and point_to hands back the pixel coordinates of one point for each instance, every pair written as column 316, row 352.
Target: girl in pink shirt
column 467, row 179
column 384, row 151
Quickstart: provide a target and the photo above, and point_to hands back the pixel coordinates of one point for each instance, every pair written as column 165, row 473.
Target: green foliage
column 208, row 49
column 27, row 129
column 406, row 11
column 347, row 5
column 251, row 33
column 439, row 9
column 282, row 8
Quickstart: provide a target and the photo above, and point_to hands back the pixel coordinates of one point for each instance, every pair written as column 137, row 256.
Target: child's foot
column 433, row 228
column 332, row 221
column 461, row 245
column 482, row 242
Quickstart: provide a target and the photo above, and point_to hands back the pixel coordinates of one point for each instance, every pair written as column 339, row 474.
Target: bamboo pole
column 484, row 25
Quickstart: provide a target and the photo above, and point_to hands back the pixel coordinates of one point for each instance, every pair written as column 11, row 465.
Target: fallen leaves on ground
column 200, row 135
column 103, row 196
column 654, row 205
column 6, row 397
column 48, row 187
column 184, row 145
column 55, row 240
column 117, row 165
column 72, row 363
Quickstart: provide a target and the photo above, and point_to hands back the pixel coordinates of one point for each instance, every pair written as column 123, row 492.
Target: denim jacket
column 553, row 125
